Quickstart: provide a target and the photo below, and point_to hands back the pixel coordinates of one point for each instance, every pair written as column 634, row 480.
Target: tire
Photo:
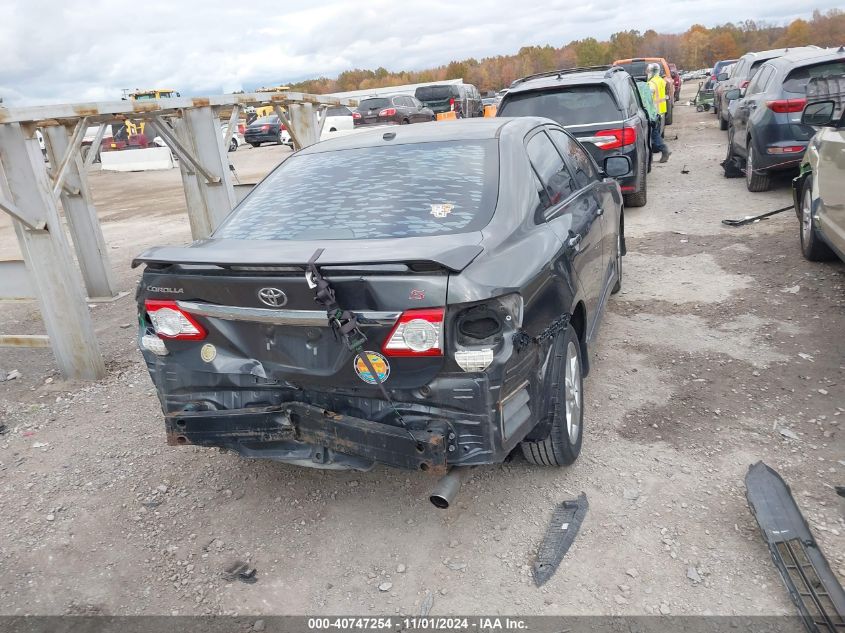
column 564, row 404
column 279, row 140
column 755, row 182
column 812, row 247
column 405, row 122
column 618, row 285
column 639, row 198
column 669, row 112
column 233, row 145
column 723, row 125
column 255, row 144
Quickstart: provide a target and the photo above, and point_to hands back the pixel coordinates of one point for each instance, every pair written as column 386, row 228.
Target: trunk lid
column 262, row 319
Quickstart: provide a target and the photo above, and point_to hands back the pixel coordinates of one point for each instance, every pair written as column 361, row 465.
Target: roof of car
column 565, row 77
column 808, row 56
column 476, row 128
column 777, row 52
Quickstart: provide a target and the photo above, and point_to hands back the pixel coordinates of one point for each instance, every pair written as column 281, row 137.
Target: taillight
column 170, row 321
column 452, row 103
column 356, row 115
column 785, row 149
column 416, row 333
column 388, row 112
column 282, row 127
column 265, row 127
column 782, row 106
column 614, row 139
column 712, row 77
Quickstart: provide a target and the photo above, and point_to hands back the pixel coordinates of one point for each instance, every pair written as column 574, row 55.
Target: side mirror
column 617, row 166
column 722, row 77
column 819, row 113
column 733, row 94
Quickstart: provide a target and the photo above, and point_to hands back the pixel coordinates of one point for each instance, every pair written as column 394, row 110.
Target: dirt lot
column 721, row 338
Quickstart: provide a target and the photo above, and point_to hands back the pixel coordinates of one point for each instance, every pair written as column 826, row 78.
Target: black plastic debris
column 754, row 218
column 239, row 570
column 812, row 586
column 564, row 526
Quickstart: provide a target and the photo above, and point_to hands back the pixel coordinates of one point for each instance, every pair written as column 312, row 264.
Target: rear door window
column 550, row 167
column 760, row 81
column 434, row 93
column 373, row 193
column 582, row 165
column 798, row 78
column 572, row 105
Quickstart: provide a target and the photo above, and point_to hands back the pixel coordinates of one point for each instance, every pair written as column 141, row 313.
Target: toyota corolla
column 422, row 297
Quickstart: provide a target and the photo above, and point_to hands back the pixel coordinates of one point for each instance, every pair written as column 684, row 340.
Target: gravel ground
column 725, row 347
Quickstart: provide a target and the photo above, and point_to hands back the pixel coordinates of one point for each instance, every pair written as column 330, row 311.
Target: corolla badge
column 272, row 297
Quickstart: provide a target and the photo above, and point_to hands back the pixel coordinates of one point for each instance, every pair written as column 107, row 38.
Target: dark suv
column 743, row 73
column 601, row 107
column 462, row 99
column 766, row 129
column 396, row 109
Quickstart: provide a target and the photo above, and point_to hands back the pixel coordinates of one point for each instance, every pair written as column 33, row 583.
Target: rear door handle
column 574, row 242
column 600, row 211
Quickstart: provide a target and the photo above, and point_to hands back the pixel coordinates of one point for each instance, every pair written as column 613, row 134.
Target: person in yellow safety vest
column 658, row 93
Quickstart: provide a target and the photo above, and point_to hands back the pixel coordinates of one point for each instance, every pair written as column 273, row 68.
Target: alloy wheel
column 806, row 217
column 572, row 393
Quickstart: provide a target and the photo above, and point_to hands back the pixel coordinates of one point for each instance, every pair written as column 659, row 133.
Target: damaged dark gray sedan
column 422, row 297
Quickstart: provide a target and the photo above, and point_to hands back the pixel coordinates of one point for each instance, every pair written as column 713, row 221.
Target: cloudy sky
column 86, row 50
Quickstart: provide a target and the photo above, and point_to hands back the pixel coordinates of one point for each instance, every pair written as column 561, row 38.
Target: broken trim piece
column 566, row 521
column 805, row 571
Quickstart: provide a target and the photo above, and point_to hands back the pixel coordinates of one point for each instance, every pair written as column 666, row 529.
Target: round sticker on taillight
column 379, row 364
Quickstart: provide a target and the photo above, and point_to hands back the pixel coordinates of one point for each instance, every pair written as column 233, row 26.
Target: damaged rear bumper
column 307, row 435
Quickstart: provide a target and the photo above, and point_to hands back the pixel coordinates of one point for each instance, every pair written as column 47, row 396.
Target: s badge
column 441, row 210
column 379, row 363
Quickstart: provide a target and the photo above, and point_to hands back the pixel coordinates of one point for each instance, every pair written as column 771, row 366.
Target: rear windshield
column 575, row 105
column 266, row 119
column 640, row 69
column 373, row 104
column 373, row 192
column 797, row 80
column 433, row 93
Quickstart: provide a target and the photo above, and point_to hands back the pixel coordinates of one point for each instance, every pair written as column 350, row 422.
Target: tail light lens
column 388, row 112
column 782, row 106
column 265, row 127
column 452, row 103
column 170, row 321
column 356, row 115
column 616, row 138
column 416, row 333
column 241, row 128
column 712, row 77
column 282, row 127
column 788, row 149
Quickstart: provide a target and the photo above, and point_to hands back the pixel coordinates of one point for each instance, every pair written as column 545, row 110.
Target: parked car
column 266, row 129
column 416, row 232
column 338, row 122
column 462, row 99
column 237, row 138
column 601, row 107
column 766, row 132
column 719, row 68
column 819, row 190
column 638, row 69
column 742, row 74
column 725, row 73
column 397, row 109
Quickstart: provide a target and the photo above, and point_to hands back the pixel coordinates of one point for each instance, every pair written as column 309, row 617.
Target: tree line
column 698, row 47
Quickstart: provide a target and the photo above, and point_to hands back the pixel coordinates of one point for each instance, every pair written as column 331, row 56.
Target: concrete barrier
column 137, row 159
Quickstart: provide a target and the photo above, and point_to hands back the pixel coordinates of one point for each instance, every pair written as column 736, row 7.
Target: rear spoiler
column 452, row 252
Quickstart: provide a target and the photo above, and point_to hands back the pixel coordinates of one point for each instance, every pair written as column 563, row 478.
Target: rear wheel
column 639, row 198
column 564, row 405
column 754, row 180
column 723, row 124
column 255, row 144
column 811, row 246
column 669, row 111
column 405, row 121
column 233, row 145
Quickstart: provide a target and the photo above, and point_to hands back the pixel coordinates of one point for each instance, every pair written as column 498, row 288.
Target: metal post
column 203, row 129
column 201, row 224
column 81, row 217
column 303, row 119
column 48, row 257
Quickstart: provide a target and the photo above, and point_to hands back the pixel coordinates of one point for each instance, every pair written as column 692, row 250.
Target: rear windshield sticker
column 441, row 210
column 378, row 362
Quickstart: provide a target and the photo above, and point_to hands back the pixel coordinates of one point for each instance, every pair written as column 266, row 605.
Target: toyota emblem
column 272, row 297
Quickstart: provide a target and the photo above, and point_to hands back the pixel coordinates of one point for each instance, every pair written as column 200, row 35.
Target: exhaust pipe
column 448, row 487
